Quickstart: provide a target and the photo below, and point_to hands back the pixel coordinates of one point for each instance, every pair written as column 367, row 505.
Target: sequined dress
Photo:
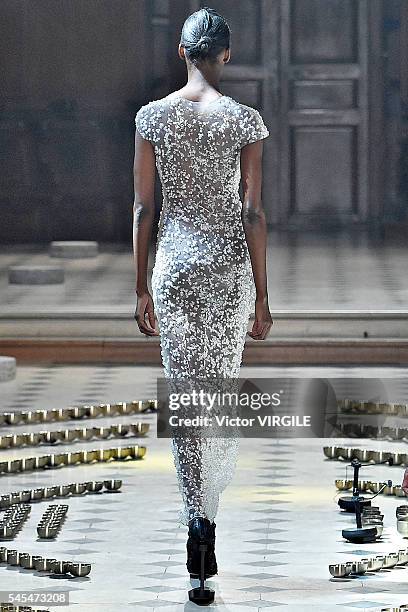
column 202, row 282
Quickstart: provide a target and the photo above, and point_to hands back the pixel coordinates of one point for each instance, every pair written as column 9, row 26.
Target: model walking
column 210, row 266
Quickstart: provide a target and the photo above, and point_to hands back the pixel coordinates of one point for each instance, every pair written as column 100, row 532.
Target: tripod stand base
column 360, row 536
column 201, row 597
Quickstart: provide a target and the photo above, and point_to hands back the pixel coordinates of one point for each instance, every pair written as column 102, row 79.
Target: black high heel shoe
column 202, row 528
column 201, row 561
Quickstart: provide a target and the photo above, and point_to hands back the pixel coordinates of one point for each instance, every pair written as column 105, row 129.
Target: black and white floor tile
column 278, row 526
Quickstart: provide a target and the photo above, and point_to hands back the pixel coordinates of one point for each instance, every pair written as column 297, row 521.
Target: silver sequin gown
column 202, row 282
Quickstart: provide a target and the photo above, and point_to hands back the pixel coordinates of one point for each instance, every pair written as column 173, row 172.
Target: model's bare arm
column 254, row 222
column 143, row 215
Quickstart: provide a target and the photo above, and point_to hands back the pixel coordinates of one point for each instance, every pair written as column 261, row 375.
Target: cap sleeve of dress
column 253, row 126
column 144, row 121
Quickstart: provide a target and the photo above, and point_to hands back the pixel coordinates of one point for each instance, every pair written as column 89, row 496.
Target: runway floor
column 278, row 527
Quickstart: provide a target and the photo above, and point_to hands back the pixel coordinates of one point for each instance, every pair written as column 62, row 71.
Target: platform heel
column 200, row 547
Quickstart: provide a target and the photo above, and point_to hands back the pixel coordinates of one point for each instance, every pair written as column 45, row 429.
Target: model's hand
column 144, row 314
column 404, row 484
column 263, row 320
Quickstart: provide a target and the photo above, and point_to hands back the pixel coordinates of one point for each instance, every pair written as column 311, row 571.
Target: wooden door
column 326, row 157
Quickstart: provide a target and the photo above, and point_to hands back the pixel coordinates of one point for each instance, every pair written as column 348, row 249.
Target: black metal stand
column 360, row 535
column 349, row 503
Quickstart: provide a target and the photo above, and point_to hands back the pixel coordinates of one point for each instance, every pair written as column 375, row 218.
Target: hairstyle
column 204, row 34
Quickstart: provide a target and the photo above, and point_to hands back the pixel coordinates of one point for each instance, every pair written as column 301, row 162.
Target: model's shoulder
column 242, row 112
column 252, row 125
column 148, row 120
column 246, row 110
column 149, row 111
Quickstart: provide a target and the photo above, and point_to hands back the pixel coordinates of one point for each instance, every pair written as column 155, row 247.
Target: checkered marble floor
column 305, row 271
column 278, row 527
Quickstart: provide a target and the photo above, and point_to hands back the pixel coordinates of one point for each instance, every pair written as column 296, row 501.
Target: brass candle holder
column 374, row 564
column 42, row 564
column 46, row 493
column 69, row 436
column 65, row 459
column 73, row 413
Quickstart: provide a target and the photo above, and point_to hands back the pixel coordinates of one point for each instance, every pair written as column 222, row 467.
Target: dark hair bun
column 204, row 34
column 204, row 43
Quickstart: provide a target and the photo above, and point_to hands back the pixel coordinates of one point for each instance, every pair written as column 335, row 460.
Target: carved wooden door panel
column 324, row 126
